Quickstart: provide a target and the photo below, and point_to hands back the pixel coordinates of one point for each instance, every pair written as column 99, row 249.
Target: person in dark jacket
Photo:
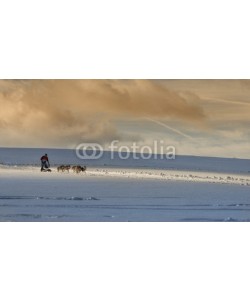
column 44, row 162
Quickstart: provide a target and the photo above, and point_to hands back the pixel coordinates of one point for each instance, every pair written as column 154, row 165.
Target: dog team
column 76, row 169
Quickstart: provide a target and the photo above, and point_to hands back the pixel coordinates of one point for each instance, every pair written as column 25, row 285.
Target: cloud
column 64, row 112
column 201, row 117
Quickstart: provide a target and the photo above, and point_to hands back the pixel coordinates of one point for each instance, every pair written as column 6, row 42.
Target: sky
column 197, row 117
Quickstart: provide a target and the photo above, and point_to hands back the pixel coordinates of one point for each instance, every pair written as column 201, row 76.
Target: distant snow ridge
column 174, row 175
column 26, row 156
column 139, row 173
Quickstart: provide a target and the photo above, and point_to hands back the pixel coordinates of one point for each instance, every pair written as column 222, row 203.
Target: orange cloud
column 64, row 111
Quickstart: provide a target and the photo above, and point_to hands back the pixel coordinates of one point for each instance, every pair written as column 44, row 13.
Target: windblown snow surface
column 184, row 189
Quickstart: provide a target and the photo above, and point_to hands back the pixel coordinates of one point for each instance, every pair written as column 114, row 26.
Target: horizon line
column 177, row 155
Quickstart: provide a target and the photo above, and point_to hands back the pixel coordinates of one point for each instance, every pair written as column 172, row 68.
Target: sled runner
column 46, row 170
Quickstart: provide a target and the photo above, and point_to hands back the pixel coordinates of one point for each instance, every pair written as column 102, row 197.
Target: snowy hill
column 22, row 156
column 184, row 189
